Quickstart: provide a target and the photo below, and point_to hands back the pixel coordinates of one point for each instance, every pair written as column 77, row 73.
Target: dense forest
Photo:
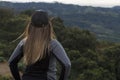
column 105, row 22
column 91, row 58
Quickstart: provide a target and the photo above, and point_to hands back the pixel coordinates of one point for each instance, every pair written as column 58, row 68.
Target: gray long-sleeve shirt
column 57, row 53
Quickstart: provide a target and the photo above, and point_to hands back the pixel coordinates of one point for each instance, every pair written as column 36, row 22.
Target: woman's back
column 45, row 69
column 38, row 69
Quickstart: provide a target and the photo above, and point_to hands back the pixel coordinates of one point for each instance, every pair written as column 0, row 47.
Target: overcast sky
column 100, row 3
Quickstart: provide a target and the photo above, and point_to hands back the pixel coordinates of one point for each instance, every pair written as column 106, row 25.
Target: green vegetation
column 91, row 59
column 105, row 22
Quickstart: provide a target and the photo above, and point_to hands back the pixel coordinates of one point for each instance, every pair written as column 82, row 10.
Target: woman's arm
column 14, row 59
column 62, row 57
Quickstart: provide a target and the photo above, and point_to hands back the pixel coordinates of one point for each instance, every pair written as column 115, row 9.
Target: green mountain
column 105, row 22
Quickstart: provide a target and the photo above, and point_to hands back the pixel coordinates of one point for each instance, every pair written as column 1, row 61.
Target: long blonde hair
column 37, row 41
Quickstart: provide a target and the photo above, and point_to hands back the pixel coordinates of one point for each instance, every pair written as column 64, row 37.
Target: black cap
column 39, row 18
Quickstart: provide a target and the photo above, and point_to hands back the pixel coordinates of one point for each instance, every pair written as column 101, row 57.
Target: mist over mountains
column 105, row 22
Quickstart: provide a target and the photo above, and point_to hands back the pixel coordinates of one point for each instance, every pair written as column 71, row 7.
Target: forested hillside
column 91, row 59
column 105, row 22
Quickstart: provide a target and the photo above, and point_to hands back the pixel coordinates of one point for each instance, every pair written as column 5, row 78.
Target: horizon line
column 61, row 3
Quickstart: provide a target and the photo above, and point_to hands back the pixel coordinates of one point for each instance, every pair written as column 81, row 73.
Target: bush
column 5, row 78
column 2, row 59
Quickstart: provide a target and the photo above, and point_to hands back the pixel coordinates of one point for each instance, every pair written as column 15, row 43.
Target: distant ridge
column 105, row 22
column 117, row 7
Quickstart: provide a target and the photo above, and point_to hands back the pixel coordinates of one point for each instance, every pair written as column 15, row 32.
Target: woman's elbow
column 10, row 64
column 67, row 65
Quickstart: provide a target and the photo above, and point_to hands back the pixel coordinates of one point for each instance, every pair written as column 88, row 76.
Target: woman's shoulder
column 22, row 42
column 54, row 43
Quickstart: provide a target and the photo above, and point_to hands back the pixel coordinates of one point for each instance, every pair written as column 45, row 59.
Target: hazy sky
column 102, row 3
